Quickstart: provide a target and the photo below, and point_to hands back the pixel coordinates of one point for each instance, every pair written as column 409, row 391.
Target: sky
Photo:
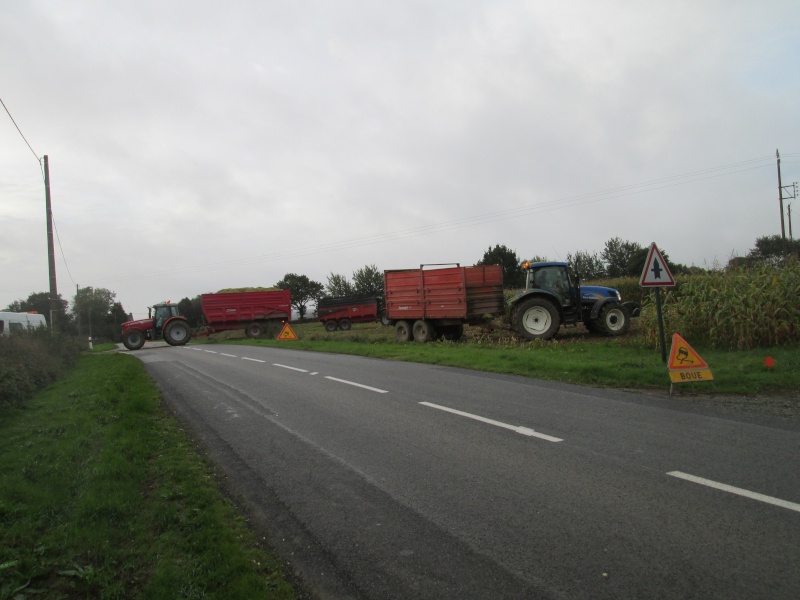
column 195, row 145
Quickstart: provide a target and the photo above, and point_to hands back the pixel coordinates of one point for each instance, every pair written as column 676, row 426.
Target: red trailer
column 429, row 303
column 342, row 311
column 251, row 311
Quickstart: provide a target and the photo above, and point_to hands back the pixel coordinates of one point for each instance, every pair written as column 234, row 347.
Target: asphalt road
column 382, row 479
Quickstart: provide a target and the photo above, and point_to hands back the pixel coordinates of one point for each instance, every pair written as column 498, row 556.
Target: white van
column 13, row 321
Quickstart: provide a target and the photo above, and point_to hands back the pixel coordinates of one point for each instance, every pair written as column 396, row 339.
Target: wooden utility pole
column 51, row 253
column 780, row 194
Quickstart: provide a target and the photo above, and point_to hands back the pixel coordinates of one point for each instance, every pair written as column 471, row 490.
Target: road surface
column 383, row 479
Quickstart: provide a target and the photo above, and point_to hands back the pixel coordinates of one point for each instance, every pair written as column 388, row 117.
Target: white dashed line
column 231, row 355
column 361, row 385
column 253, row 359
column 288, row 367
column 521, row 430
column 210, row 351
column 735, row 490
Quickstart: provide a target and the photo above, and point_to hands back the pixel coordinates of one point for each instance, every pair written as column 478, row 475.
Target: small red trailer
column 341, row 312
column 425, row 304
column 251, row 311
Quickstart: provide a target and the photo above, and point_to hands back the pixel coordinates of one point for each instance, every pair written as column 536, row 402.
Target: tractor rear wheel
column 402, row 331
column 330, row 325
column 614, row 319
column 133, row 339
column 536, row 319
column 177, row 333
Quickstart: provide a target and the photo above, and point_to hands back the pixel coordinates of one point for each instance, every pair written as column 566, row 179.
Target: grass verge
column 574, row 357
column 103, row 496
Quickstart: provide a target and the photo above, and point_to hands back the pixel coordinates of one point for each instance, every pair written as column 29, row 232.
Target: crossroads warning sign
column 287, row 333
column 685, row 364
column 656, row 273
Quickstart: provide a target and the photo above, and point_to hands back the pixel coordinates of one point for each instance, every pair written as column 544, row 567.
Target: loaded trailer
column 254, row 312
column 342, row 311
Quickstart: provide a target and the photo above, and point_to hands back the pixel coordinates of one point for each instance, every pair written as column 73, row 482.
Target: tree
column 368, row 281
column 192, row 310
column 772, row 249
column 588, row 266
column 338, row 285
column 617, row 255
column 303, row 290
column 94, row 309
column 40, row 302
column 513, row 276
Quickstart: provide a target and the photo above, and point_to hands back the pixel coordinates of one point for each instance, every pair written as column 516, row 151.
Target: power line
column 38, row 160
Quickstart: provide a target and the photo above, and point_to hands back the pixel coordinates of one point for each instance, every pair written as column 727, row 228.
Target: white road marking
column 210, row 351
column 361, row 385
column 314, row 373
column 231, row 355
column 735, row 490
column 253, row 359
column 287, row 367
column 522, row 430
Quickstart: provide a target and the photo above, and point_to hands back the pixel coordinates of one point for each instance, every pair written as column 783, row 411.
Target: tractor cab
column 161, row 313
column 555, row 278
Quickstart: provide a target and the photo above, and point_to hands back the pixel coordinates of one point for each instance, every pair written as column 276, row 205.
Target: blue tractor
column 554, row 297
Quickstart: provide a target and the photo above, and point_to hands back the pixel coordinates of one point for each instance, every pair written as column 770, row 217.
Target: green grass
column 574, row 356
column 103, row 496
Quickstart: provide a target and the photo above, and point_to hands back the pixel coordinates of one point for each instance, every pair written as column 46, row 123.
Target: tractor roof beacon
column 553, row 297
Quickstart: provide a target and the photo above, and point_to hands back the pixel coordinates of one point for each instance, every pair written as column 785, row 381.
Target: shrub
column 32, row 361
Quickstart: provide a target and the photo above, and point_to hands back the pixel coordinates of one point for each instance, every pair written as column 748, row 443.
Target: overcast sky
column 200, row 145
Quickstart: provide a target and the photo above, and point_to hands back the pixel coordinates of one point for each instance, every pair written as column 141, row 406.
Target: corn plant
column 736, row 309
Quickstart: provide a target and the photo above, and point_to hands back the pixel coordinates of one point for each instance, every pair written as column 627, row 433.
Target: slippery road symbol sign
column 683, row 357
column 287, row 333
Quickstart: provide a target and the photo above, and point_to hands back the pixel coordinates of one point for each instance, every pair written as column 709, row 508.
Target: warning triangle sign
column 656, row 273
column 682, row 356
column 287, row 333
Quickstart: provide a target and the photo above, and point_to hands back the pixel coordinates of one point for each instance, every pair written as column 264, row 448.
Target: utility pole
column 51, row 254
column 790, row 195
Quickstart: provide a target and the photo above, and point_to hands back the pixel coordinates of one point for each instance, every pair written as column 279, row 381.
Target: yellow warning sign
column 690, row 376
column 682, row 357
column 287, row 333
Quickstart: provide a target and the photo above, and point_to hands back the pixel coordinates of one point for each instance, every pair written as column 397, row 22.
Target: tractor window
column 162, row 314
column 554, row 279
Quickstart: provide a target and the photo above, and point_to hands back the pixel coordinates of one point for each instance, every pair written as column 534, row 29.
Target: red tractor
column 164, row 322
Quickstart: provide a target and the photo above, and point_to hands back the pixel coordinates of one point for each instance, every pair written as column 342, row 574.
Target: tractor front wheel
column 614, row 319
column 536, row 319
column 177, row 333
column 133, row 339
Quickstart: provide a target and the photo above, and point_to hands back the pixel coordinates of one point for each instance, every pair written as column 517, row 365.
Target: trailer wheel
column 345, row 324
column 537, row 319
column 133, row 339
column 385, row 319
column 254, row 330
column 330, row 325
column 424, row 331
column 614, row 319
column 177, row 333
column 402, row 332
